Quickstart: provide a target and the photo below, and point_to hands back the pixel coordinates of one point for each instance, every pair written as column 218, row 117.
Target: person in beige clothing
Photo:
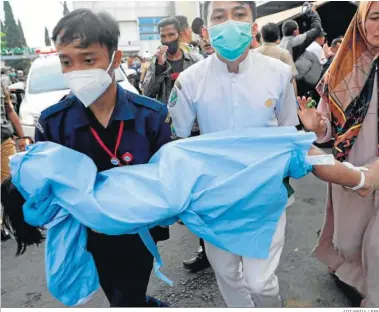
column 348, row 111
column 271, row 34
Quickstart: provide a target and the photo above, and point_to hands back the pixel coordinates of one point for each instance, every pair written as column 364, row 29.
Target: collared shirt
column 319, row 51
column 145, row 129
column 159, row 86
column 273, row 50
column 261, row 94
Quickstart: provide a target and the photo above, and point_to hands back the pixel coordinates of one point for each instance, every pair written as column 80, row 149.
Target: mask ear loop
column 110, row 64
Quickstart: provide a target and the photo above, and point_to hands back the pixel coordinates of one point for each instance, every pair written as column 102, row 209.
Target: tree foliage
column 47, row 38
column 11, row 29
column 22, row 34
column 65, row 8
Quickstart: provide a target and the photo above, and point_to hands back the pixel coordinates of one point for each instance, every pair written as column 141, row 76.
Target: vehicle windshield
column 48, row 77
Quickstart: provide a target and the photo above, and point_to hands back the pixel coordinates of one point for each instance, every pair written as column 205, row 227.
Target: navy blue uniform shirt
column 146, row 128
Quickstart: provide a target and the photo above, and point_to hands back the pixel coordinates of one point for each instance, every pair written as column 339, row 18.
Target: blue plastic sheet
column 227, row 188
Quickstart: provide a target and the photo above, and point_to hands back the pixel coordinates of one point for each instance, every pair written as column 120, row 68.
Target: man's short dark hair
column 270, row 32
column 258, row 37
column 183, row 22
column 89, row 28
column 251, row 4
column 169, row 21
column 289, row 27
column 336, row 41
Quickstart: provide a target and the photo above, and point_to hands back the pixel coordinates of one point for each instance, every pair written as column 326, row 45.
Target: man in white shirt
column 236, row 88
column 317, row 47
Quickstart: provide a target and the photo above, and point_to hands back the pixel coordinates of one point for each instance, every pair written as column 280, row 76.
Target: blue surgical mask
column 231, row 39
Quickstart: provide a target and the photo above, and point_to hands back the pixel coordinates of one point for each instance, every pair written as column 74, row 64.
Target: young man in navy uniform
column 114, row 128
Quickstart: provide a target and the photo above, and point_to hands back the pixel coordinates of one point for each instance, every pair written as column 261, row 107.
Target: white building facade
column 138, row 20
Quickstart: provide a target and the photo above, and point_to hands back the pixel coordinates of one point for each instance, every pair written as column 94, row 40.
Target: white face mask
column 88, row 85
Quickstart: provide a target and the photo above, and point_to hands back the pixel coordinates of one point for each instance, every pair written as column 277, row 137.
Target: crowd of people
column 235, row 76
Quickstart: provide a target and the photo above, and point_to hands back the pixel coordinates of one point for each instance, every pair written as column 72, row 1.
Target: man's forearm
column 16, row 123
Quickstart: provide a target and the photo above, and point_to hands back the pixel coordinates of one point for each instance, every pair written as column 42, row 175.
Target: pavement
column 304, row 282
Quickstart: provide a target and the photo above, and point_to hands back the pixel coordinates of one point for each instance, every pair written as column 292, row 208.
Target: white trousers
column 248, row 282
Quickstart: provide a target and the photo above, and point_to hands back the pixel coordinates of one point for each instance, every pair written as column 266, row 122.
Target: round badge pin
column 115, row 161
column 127, row 157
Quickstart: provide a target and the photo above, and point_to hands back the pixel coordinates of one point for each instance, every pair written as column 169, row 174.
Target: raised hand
column 161, row 54
column 310, row 117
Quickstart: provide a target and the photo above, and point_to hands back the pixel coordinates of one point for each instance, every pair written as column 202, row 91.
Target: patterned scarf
column 348, row 85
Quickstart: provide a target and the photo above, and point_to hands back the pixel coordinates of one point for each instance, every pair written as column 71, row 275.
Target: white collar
column 243, row 66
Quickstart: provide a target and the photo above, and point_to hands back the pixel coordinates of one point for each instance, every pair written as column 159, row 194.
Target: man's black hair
column 289, row 27
column 270, row 32
column 197, row 25
column 251, row 4
column 89, row 28
column 183, row 22
column 258, row 37
column 336, row 41
column 169, row 21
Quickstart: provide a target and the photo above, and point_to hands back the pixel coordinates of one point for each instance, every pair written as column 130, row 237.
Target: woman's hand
column 310, row 117
column 372, row 179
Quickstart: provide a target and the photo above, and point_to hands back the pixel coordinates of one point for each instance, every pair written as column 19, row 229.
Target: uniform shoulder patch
column 173, row 97
column 178, row 85
column 144, row 101
column 62, row 105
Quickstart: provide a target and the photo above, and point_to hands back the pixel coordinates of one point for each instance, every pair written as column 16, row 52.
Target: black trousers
column 124, row 266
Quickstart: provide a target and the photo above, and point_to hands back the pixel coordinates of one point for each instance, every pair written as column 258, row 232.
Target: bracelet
column 363, row 176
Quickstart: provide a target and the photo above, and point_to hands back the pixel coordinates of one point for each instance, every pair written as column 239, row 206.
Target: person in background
column 137, row 67
column 349, row 112
column 297, row 43
column 21, row 76
column 13, row 75
column 170, row 60
column 9, row 123
column 318, row 47
column 5, row 77
column 205, row 47
column 257, row 41
column 332, row 52
column 146, row 62
column 310, row 66
column 130, row 61
column 185, row 36
column 271, row 35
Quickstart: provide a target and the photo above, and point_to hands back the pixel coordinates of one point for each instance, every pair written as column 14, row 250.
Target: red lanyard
column 114, row 159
